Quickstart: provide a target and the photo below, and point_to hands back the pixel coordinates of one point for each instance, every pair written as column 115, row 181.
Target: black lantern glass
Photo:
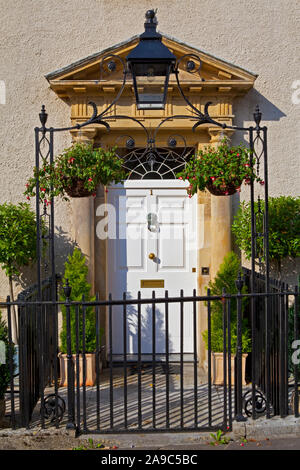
column 150, row 63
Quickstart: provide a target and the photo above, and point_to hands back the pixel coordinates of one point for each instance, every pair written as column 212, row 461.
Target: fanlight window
column 160, row 163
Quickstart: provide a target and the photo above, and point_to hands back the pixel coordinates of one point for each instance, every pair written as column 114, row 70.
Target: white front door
column 152, row 247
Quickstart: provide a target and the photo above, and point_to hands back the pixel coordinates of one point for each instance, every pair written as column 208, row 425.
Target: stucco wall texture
column 40, row 36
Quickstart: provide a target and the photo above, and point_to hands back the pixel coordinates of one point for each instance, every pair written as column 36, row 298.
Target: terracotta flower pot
column 218, row 371
column 230, row 189
column 90, row 369
column 292, row 402
column 77, row 189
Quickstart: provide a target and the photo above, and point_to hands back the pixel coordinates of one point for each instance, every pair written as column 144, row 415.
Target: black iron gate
column 162, row 392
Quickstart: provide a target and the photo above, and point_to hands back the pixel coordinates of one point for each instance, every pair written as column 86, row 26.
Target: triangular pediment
column 213, row 72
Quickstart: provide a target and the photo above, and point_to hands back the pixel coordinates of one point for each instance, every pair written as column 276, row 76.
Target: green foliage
column 79, row 162
column 4, row 368
column 90, row 444
column 17, row 237
column 219, row 438
column 225, row 278
column 284, row 227
column 220, row 166
column 76, row 272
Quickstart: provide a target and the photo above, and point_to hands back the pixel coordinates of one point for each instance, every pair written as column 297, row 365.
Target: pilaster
column 83, row 218
column 220, row 213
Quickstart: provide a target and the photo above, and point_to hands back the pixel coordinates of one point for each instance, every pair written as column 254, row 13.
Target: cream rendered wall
column 40, row 36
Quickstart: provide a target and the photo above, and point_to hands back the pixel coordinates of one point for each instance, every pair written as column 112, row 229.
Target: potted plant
column 221, row 170
column 6, row 350
column 76, row 172
column 76, row 272
column 225, row 278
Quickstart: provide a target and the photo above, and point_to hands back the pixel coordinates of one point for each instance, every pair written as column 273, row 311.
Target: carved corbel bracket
column 86, row 134
column 217, row 134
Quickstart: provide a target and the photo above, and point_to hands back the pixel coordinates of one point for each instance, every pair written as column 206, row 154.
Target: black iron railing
column 272, row 374
column 38, row 346
column 160, row 389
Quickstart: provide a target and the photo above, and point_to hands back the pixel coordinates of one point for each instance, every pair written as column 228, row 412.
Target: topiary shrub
column 225, row 278
column 17, row 245
column 76, row 272
column 4, row 368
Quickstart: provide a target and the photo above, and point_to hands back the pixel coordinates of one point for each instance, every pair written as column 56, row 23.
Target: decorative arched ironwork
column 154, row 163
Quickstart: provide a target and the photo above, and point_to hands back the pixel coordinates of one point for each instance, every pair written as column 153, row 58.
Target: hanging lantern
column 150, row 64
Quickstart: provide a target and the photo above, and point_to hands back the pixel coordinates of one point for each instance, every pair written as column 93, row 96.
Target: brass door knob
column 151, row 256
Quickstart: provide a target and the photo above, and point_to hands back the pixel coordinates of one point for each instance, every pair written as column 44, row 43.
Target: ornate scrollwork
column 260, row 403
column 190, row 64
column 49, row 408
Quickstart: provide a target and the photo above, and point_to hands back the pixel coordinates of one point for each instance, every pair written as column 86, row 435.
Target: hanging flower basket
column 77, row 189
column 221, row 170
column 227, row 190
column 77, row 172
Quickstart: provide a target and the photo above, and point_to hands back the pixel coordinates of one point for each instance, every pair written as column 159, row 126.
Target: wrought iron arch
column 156, row 163
column 160, row 158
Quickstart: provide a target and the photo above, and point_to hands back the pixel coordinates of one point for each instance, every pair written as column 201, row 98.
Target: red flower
column 90, row 179
column 213, row 178
column 262, row 183
column 28, row 198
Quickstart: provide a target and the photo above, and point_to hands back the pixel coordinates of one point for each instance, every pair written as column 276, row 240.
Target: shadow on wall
column 64, row 246
column 290, row 271
column 244, row 108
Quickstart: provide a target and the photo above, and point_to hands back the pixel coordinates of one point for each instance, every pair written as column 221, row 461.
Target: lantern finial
column 150, row 15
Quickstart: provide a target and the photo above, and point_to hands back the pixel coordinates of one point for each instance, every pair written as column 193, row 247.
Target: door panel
column 169, row 233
